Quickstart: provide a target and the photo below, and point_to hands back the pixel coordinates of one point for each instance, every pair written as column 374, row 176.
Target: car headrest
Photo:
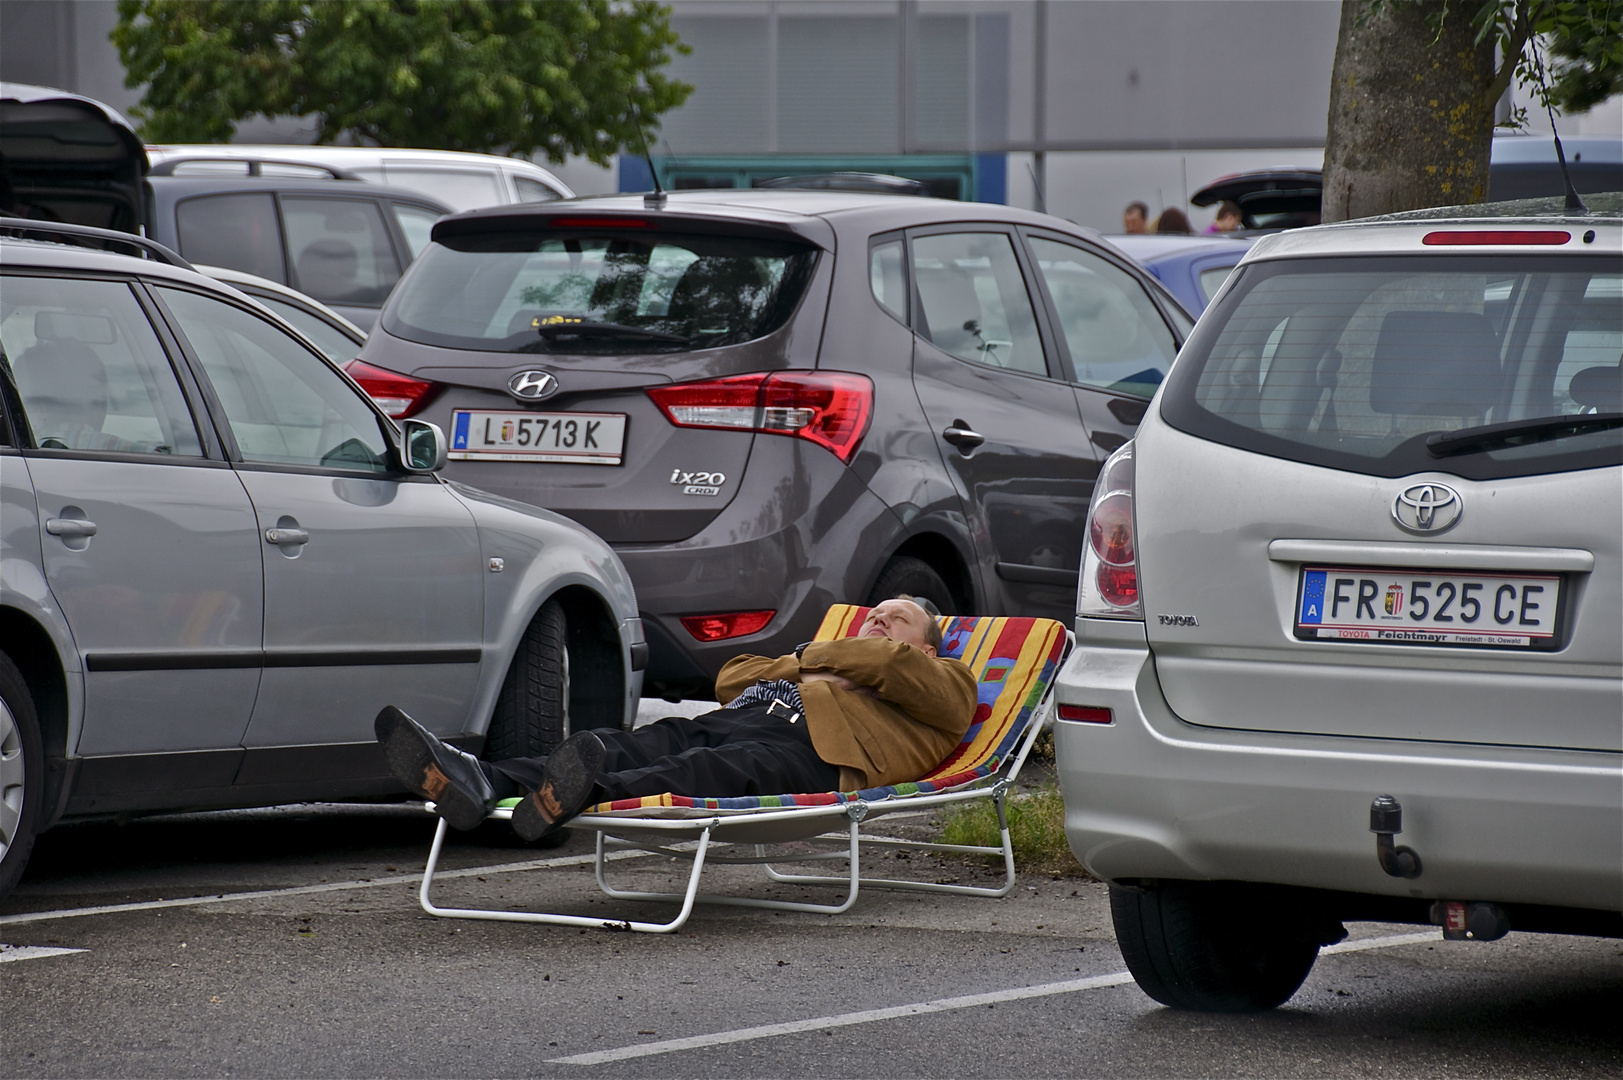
column 1435, row 363
column 327, row 269
column 1599, row 388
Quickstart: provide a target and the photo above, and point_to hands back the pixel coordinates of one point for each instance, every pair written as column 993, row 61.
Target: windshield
column 1353, row 363
column 616, row 292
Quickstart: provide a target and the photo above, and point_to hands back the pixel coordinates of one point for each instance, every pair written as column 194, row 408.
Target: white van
column 462, row 180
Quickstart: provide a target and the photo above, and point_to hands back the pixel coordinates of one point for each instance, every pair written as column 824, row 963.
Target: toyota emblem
column 533, row 385
column 1427, row 508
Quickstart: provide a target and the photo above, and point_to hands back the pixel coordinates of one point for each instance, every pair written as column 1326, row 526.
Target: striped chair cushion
column 1013, row 660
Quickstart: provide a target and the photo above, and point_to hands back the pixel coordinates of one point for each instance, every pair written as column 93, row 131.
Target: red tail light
column 398, row 395
column 830, row 408
column 1088, row 714
column 720, row 627
column 1109, row 581
column 1500, row 236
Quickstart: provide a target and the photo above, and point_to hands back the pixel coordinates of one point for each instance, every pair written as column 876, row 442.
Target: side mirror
column 422, row 446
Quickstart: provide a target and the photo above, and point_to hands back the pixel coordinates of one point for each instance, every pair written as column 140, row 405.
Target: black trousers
column 719, row 754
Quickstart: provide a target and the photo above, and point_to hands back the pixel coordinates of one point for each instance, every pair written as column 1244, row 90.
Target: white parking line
column 9, row 953
column 794, row 1027
column 306, row 890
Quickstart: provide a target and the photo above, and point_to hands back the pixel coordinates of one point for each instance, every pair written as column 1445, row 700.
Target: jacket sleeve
column 742, row 672
column 936, row 692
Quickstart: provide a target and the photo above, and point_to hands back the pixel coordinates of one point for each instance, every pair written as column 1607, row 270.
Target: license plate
column 579, row 437
column 1425, row 607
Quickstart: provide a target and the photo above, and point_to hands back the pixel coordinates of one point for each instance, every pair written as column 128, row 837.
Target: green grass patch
column 1036, row 827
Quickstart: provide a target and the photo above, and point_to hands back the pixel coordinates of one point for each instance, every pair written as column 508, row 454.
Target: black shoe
column 566, row 787
column 449, row 778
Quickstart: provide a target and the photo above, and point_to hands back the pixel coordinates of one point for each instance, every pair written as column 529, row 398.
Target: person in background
column 1135, row 219
column 1228, row 218
column 1173, row 220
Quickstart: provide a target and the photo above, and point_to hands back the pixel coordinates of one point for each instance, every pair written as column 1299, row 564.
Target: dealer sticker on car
column 579, row 437
column 1423, row 607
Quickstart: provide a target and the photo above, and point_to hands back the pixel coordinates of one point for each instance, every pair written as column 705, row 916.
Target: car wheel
column 532, row 713
column 1211, row 947
column 915, row 577
column 22, row 774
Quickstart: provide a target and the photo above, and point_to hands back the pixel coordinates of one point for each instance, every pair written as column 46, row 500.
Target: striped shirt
column 763, row 693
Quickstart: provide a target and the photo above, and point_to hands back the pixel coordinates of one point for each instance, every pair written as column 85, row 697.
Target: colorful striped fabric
column 1013, row 660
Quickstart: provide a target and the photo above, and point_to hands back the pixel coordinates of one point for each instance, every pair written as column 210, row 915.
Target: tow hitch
column 1386, row 821
column 1470, row 921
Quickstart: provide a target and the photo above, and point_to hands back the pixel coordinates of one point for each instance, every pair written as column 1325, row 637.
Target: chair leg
column 565, row 920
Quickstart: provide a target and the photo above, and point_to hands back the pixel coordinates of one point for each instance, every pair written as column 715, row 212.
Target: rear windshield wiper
column 583, row 328
column 1472, row 440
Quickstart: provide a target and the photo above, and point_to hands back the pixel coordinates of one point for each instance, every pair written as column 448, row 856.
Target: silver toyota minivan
column 1351, row 606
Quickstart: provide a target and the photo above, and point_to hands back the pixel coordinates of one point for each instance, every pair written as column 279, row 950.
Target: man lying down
column 877, row 709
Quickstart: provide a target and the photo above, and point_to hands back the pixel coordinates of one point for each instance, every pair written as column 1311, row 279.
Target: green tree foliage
column 506, row 76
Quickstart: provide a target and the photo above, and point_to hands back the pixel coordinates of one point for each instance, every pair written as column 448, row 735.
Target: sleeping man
column 867, row 711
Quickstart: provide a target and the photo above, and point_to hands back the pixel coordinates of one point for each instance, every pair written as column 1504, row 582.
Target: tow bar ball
column 1386, row 821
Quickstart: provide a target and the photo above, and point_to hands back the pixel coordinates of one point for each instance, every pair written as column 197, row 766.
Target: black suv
column 769, row 401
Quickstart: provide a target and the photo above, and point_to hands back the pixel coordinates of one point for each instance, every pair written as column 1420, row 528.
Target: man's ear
column 929, row 650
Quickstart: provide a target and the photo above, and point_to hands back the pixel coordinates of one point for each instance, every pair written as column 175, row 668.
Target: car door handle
column 287, row 537
column 964, row 437
column 70, row 528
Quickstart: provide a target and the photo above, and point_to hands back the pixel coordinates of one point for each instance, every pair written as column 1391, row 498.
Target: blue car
column 1192, row 268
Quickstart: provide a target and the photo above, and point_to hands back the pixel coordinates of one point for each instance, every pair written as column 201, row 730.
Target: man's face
column 898, row 620
column 1132, row 221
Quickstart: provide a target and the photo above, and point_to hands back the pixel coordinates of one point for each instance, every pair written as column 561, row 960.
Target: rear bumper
column 1150, row 796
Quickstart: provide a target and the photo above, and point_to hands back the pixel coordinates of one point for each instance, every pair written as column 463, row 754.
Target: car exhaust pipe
column 1386, row 821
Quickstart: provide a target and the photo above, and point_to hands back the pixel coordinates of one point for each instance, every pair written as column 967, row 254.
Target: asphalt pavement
column 288, row 942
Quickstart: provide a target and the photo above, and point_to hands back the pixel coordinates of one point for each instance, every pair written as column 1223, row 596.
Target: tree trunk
column 1411, row 119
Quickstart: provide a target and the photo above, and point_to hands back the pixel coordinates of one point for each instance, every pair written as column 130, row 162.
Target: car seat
column 63, row 384
column 327, row 271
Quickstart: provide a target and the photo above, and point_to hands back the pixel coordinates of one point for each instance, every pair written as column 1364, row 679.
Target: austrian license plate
column 580, row 437
column 1424, row 607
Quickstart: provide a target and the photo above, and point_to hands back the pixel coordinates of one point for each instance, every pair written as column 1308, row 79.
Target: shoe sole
column 411, row 759
column 570, row 776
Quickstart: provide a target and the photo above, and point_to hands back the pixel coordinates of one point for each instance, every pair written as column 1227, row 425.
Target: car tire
column 532, row 713
column 22, row 774
column 915, row 577
column 1211, row 947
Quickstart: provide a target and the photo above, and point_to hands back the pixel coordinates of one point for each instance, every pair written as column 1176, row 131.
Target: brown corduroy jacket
column 918, row 711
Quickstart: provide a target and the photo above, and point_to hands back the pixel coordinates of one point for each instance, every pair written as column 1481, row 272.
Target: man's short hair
column 1142, row 208
column 1230, row 209
column 932, row 629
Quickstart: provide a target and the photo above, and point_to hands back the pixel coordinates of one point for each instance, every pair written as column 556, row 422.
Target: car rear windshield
column 614, row 292
column 1481, row 366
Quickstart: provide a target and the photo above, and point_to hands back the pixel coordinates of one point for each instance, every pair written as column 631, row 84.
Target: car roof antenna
column 1575, row 206
column 654, row 200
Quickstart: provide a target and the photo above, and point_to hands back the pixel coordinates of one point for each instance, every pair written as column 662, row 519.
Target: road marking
column 9, row 953
column 869, row 1016
column 307, row 890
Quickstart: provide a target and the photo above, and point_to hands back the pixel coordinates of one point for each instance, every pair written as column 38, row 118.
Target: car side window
column 887, row 277
column 284, row 404
column 235, row 231
column 533, row 190
column 339, row 250
column 416, row 224
column 1117, row 338
column 90, row 370
column 333, row 342
column 975, row 302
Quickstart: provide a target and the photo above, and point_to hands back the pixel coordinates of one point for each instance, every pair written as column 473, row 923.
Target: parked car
column 770, row 401
column 69, row 158
column 337, row 338
column 460, row 180
column 1192, row 268
column 341, row 242
column 1350, row 621
column 219, row 560
column 1519, row 167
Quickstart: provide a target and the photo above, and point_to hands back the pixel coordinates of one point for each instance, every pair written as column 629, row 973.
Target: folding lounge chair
column 1014, row 661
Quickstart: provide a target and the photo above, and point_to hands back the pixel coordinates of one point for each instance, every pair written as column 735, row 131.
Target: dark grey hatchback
column 770, row 401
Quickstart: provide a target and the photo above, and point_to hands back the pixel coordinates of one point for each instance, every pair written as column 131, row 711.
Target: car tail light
column 398, row 395
column 1087, row 714
column 1496, row 236
column 1109, row 581
column 721, row 627
column 830, row 408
